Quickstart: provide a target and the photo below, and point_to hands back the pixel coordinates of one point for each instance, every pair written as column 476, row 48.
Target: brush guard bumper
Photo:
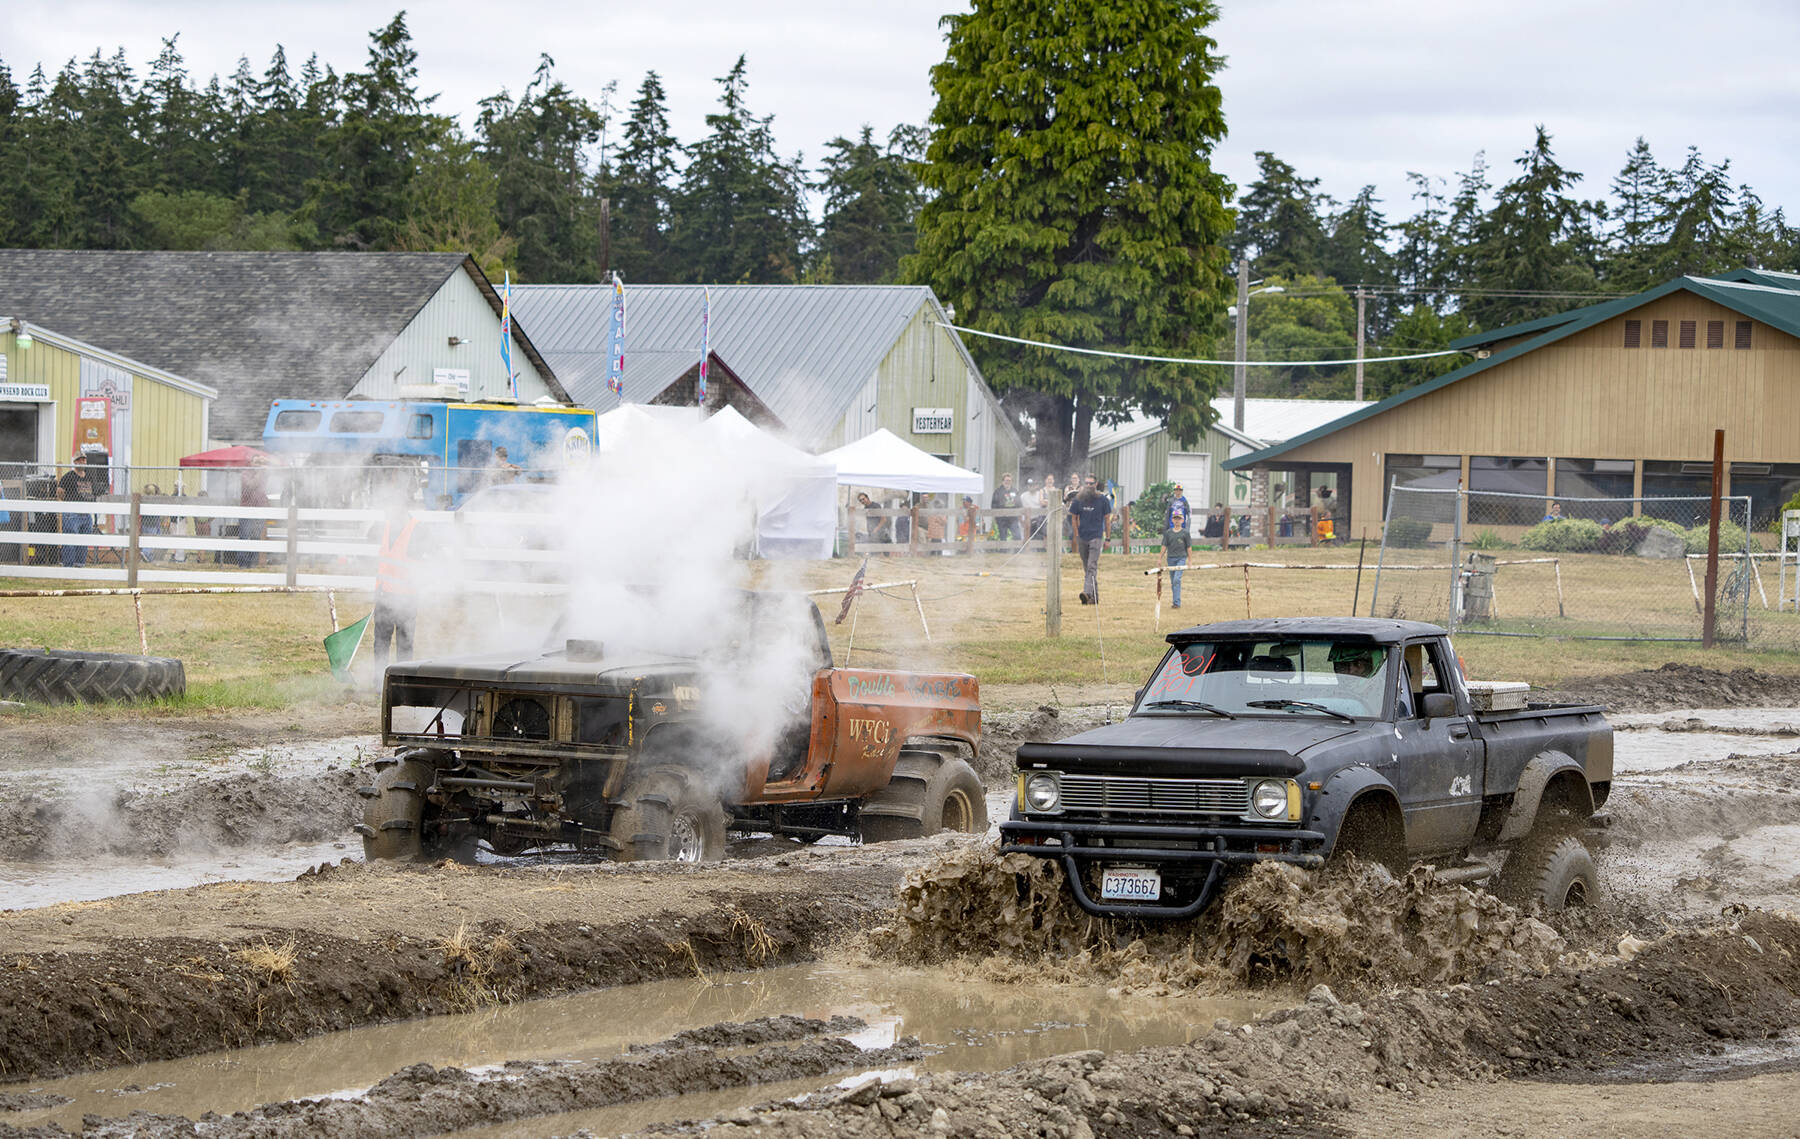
column 1075, row 844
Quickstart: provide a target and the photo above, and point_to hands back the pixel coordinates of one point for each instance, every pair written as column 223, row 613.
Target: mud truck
column 636, row 756
column 1299, row 739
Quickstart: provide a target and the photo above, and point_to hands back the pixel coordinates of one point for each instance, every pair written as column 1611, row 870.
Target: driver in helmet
column 1349, row 659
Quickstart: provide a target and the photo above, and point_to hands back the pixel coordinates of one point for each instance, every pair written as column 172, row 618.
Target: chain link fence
column 1489, row 563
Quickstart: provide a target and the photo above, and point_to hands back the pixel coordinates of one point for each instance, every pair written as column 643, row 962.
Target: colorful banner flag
column 615, row 356
column 851, row 594
column 512, row 387
column 705, row 341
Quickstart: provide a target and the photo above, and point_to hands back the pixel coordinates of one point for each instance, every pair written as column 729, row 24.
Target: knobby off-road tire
column 393, row 826
column 668, row 815
column 56, row 677
column 1557, row 872
column 929, row 792
column 1369, row 833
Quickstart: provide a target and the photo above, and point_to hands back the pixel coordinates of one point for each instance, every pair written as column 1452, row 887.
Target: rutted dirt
column 1682, row 686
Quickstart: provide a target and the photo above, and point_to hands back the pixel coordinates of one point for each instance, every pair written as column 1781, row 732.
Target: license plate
column 1130, row 885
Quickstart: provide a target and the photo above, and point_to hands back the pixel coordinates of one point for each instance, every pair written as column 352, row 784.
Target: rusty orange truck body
column 659, row 756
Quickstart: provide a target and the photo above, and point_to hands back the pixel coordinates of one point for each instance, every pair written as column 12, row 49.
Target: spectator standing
column 1178, row 502
column 253, row 490
column 1215, row 523
column 74, row 485
column 1091, row 513
column 1006, row 498
column 1323, row 517
column 396, row 603
column 1175, row 542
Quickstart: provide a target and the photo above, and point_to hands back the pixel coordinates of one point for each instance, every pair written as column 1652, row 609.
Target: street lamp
column 1241, row 311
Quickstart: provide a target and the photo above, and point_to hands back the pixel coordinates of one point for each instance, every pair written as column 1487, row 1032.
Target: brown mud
column 1680, row 686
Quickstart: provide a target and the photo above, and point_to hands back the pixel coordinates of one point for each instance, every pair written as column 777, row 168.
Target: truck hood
column 552, row 669
column 1190, row 745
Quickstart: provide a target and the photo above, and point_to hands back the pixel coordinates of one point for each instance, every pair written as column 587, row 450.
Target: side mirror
column 1139, row 698
column 1437, row 704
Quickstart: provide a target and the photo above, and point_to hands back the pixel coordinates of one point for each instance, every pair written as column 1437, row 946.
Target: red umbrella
column 238, row 456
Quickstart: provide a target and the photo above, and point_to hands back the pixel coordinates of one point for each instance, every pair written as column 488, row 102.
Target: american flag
column 856, row 587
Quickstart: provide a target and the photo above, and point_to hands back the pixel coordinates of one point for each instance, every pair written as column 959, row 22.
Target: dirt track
column 1483, row 994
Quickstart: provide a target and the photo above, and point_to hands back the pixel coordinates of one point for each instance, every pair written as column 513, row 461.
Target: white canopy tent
column 884, row 459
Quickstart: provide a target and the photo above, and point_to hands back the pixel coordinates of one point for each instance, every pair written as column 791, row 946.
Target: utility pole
column 1239, row 371
column 1360, row 326
column 606, row 252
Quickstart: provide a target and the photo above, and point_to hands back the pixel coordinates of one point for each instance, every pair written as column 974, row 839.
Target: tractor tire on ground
column 928, row 792
column 393, row 826
column 665, row 815
column 56, row 677
column 1557, row 873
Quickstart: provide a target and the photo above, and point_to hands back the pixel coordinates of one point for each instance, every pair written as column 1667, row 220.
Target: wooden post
column 131, row 547
column 912, row 535
column 1053, row 573
column 293, row 541
column 972, row 515
column 920, row 606
column 137, row 603
column 1709, row 618
column 850, row 532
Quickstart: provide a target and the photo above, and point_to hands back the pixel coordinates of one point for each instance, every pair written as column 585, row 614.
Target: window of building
column 1769, row 485
column 1684, row 488
column 1634, row 332
column 1579, row 480
column 1507, row 475
column 1686, row 333
column 1715, row 334
column 295, row 420
column 1659, row 334
column 1430, row 472
column 1743, row 334
column 356, row 422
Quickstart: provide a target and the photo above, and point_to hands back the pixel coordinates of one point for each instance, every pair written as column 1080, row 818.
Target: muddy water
column 28, row 885
column 973, row 1025
column 1641, row 745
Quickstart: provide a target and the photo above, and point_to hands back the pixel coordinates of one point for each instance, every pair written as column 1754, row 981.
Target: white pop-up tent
column 796, row 491
column 884, row 459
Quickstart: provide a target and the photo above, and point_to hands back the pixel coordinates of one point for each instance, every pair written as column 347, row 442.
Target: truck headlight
column 1043, row 794
column 1269, row 798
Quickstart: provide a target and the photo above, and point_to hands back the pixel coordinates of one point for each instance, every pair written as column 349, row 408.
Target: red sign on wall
column 93, row 424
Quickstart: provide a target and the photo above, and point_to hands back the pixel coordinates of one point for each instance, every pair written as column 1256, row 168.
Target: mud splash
column 1355, row 926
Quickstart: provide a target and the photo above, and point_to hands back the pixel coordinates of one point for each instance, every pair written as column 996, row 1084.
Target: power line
column 1189, row 360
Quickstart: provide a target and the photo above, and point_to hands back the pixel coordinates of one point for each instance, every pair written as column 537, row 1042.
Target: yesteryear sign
column 934, row 420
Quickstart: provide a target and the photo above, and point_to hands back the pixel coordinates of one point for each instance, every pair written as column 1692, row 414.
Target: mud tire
column 667, row 816
column 1556, row 872
column 49, row 676
column 1368, row 833
column 927, row 793
column 393, row 826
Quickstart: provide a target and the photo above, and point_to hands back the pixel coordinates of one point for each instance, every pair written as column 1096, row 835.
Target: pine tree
column 535, row 148
column 872, row 201
column 1628, row 266
column 1356, row 253
column 1533, row 241
column 1462, row 228
column 1419, row 261
column 358, row 201
column 641, row 187
column 1075, row 204
column 1279, row 227
column 1693, row 217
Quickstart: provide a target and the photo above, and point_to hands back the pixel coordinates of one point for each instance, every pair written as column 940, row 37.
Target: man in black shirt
column 75, row 485
column 1005, row 497
column 1090, row 511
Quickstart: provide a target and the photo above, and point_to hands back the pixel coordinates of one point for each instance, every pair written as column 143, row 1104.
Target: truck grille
column 1161, row 796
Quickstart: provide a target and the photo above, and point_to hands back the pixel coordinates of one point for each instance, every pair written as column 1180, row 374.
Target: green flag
column 340, row 647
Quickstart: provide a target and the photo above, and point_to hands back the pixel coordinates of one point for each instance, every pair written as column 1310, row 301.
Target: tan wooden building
column 1615, row 400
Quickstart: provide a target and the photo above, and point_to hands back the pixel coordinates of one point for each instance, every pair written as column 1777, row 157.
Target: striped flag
column 705, row 342
column 615, row 356
column 512, row 387
column 856, row 587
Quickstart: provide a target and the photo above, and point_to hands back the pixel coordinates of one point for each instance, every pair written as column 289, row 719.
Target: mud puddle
column 969, row 1025
column 1649, row 742
column 30, row 885
column 79, row 774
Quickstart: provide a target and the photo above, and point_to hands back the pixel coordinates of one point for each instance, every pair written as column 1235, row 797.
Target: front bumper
column 1211, row 848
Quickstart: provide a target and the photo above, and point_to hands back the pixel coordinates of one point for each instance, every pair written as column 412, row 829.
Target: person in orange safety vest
column 396, row 604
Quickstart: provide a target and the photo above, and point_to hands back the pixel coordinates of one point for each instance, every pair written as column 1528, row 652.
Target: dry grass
column 759, row 946
column 685, row 948
column 473, row 966
column 274, row 963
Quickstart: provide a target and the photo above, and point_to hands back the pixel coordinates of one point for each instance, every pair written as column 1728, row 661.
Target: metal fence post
column 1456, row 538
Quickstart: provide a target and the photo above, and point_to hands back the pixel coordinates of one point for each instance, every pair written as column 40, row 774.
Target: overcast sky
column 1348, row 91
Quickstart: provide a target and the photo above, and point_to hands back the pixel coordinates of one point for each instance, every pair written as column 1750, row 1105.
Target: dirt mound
column 1681, row 686
column 1003, row 732
column 212, row 814
column 1355, row 926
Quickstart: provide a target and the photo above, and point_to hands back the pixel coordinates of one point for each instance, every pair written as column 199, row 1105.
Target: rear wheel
column 1556, row 872
column 666, row 816
column 928, row 792
column 393, row 823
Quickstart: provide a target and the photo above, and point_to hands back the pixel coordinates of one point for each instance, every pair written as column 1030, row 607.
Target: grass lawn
column 986, row 617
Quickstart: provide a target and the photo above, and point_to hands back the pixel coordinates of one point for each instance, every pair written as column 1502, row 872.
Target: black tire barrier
column 51, row 676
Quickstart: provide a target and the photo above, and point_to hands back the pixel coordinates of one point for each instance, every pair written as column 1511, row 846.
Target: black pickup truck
column 1299, row 738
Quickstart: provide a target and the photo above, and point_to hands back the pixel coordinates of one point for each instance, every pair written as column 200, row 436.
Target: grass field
column 986, row 617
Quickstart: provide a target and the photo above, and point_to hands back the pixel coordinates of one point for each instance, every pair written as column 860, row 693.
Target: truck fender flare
column 1343, row 791
column 1538, row 773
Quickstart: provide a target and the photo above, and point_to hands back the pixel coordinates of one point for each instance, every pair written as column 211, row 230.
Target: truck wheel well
column 947, row 746
column 1373, row 830
column 1566, row 801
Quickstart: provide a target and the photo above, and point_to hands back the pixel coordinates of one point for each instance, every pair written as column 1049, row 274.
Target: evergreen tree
column 1313, row 318
column 1633, row 237
column 172, row 124
column 739, row 217
column 1075, row 204
column 1694, row 219
column 452, row 202
column 1531, row 242
column 1278, row 226
column 872, row 201
column 1419, row 261
column 1421, row 329
column 1462, row 228
column 641, row 187
column 12, row 159
column 1356, row 253
column 536, row 151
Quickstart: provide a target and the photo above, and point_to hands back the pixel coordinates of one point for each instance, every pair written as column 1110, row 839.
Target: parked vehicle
column 1300, row 739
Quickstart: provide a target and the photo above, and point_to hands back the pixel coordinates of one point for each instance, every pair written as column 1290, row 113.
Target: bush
column 1410, row 533
column 1488, row 540
column 1731, row 538
column 1569, row 536
column 1152, row 507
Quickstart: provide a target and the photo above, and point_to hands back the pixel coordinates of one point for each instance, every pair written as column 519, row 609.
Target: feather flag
column 705, row 341
column 512, row 387
column 615, row 355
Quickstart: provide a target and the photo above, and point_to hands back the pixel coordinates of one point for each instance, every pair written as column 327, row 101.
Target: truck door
column 1438, row 762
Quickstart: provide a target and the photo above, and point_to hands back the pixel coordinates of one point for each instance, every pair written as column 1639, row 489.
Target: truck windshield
column 1270, row 678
